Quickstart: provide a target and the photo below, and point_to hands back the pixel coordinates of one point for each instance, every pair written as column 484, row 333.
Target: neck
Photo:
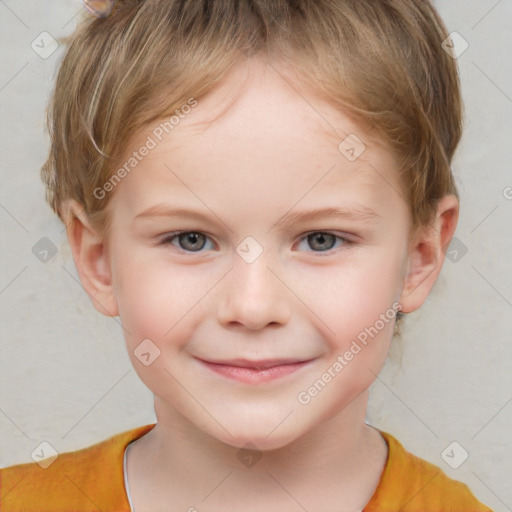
column 176, row 456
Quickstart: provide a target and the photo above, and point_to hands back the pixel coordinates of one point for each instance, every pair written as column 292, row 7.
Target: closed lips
column 250, row 372
column 255, row 365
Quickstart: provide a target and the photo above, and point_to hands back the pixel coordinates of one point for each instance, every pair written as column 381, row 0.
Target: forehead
column 265, row 103
column 261, row 132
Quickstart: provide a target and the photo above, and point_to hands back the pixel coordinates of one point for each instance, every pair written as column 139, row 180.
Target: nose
column 254, row 295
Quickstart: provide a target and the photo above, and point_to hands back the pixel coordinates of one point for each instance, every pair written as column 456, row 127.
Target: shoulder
column 88, row 479
column 411, row 484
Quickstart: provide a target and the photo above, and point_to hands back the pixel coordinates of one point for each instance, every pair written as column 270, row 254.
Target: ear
column 427, row 252
column 91, row 258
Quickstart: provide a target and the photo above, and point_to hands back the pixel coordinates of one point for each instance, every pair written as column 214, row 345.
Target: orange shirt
column 92, row 480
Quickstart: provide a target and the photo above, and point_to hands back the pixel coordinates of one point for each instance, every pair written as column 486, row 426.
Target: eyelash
column 175, row 234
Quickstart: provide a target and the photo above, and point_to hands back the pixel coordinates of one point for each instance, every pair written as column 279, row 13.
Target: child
column 200, row 150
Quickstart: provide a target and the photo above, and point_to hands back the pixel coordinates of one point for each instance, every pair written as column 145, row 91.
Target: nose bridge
column 253, row 296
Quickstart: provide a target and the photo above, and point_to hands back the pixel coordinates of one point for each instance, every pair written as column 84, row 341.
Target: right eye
column 188, row 241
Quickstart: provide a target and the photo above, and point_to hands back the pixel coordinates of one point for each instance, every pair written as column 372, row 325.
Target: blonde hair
column 382, row 62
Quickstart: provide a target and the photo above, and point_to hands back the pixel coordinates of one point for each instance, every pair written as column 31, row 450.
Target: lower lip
column 254, row 376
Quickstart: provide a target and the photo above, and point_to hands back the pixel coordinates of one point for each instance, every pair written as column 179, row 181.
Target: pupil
column 191, row 239
column 321, row 238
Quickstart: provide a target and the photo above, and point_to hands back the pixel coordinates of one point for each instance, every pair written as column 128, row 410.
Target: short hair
column 380, row 61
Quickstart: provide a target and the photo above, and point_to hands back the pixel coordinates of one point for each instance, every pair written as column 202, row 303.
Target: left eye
column 322, row 241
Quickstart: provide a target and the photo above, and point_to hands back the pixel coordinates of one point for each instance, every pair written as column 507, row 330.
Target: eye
column 322, row 241
column 190, row 241
column 195, row 241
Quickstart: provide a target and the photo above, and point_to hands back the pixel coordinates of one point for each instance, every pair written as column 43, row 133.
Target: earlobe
column 91, row 258
column 427, row 253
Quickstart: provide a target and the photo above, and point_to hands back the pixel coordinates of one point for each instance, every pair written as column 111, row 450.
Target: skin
column 247, row 157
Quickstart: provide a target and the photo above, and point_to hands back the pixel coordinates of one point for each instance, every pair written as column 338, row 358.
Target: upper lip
column 257, row 365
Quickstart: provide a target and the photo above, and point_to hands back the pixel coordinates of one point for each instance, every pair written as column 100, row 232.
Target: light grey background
column 64, row 373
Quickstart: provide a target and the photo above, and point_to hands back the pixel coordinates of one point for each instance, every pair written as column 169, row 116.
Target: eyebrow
column 356, row 213
column 167, row 210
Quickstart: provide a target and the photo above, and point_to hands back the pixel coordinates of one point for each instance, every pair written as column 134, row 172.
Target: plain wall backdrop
column 65, row 376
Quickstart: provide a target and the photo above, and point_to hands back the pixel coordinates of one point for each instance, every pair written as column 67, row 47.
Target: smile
column 254, row 372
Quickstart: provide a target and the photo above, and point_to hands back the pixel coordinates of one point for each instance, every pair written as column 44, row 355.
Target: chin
column 258, row 442
column 260, row 437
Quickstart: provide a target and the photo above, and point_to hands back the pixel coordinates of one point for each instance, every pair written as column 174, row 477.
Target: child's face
column 214, row 298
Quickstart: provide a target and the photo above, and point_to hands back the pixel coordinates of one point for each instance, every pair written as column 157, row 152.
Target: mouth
column 255, row 372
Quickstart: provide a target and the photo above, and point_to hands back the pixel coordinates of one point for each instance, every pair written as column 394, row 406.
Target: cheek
column 156, row 304
column 153, row 296
column 162, row 301
column 351, row 297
